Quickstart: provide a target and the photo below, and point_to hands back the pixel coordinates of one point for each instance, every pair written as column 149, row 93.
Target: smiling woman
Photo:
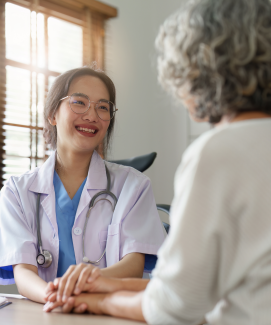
column 76, row 207
column 66, row 86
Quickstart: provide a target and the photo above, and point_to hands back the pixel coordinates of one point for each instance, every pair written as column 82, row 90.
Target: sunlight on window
column 41, row 41
column 30, row 72
column 65, row 41
column 17, row 96
column 17, row 33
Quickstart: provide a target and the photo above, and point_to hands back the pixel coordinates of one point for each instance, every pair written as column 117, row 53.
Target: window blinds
column 49, row 37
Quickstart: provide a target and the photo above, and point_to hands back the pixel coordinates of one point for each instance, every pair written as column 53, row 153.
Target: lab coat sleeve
column 141, row 230
column 17, row 241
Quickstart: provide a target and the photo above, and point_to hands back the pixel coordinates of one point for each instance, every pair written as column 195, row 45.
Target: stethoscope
column 45, row 258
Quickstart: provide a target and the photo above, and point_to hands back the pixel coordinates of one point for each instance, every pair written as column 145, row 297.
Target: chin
column 85, row 148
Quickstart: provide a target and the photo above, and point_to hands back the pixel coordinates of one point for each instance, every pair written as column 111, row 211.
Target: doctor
column 119, row 229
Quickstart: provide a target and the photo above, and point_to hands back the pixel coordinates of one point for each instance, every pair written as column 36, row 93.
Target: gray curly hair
column 221, row 50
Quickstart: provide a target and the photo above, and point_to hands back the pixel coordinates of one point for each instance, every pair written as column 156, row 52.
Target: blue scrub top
column 65, row 214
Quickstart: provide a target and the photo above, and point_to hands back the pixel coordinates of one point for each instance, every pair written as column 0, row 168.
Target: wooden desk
column 26, row 312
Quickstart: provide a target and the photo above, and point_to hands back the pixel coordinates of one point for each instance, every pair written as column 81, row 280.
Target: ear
column 52, row 121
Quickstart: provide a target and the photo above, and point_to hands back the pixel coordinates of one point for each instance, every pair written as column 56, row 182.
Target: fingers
column 56, row 282
column 78, row 273
column 69, row 306
column 52, row 297
column 80, row 309
column 62, row 283
column 96, row 272
column 84, row 275
column 103, row 285
column 50, row 288
column 49, row 306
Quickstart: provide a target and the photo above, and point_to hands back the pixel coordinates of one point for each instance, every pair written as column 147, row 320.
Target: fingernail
column 45, row 307
column 89, row 279
column 64, row 298
column 58, row 298
column 77, row 291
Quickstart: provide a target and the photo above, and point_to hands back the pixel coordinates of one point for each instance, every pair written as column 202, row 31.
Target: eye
column 104, row 108
column 78, row 102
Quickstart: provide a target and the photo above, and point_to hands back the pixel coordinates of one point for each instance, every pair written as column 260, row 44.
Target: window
column 46, row 40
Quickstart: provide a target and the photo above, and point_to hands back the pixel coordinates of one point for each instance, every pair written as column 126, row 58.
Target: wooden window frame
column 89, row 14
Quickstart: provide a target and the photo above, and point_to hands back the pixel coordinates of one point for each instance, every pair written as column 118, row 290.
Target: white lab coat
column 135, row 225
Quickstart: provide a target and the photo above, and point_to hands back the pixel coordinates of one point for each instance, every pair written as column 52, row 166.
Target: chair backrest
column 140, row 163
column 165, row 208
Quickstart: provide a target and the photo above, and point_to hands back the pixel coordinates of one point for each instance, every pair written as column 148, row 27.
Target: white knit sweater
column 216, row 261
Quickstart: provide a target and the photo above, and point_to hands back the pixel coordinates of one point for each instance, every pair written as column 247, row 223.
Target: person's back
column 220, row 243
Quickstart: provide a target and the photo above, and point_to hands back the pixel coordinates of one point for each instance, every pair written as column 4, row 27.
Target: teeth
column 85, row 130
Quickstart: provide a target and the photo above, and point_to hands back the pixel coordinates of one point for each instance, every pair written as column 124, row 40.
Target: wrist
column 121, row 284
column 125, row 285
column 103, row 304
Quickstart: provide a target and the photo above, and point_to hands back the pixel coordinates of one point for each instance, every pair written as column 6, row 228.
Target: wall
column 147, row 120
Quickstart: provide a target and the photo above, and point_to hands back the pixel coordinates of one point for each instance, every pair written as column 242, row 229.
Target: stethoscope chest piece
column 44, row 259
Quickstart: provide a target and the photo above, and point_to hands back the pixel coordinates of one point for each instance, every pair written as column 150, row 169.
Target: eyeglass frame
column 91, row 101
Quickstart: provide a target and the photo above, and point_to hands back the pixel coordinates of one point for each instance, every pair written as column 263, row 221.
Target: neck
column 72, row 164
column 242, row 117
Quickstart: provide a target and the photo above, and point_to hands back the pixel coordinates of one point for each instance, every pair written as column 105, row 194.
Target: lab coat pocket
column 113, row 244
column 102, row 239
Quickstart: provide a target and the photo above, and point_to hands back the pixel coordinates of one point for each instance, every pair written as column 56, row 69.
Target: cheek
column 105, row 126
column 64, row 120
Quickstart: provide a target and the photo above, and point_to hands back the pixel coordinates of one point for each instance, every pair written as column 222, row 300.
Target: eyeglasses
column 80, row 104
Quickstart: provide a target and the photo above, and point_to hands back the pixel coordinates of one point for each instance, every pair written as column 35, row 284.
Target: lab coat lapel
column 96, row 180
column 43, row 184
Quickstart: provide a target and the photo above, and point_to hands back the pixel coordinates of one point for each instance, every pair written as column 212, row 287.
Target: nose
column 91, row 115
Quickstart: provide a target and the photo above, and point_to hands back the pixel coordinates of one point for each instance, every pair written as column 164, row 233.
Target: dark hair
column 60, row 88
column 221, row 50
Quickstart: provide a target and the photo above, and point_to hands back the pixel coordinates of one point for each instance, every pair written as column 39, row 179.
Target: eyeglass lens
column 80, row 104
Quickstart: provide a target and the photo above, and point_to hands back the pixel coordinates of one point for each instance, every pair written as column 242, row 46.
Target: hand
column 84, row 303
column 123, row 304
column 100, row 284
column 50, row 292
column 73, row 281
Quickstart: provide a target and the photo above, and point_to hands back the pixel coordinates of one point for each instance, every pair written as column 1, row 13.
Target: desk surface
column 26, row 312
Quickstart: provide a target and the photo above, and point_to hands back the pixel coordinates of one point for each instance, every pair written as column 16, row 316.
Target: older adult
column 215, row 55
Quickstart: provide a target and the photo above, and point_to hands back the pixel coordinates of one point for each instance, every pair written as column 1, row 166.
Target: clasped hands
column 73, row 290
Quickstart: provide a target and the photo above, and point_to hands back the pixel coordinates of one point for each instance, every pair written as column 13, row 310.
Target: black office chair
column 142, row 163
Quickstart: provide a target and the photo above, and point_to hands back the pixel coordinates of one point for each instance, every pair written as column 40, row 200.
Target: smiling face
column 81, row 132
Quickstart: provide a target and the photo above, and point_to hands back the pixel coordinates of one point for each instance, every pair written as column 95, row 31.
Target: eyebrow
column 84, row 95
column 80, row 94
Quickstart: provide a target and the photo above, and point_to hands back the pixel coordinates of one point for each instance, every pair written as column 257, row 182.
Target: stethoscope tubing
column 91, row 205
column 46, row 254
column 38, row 225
